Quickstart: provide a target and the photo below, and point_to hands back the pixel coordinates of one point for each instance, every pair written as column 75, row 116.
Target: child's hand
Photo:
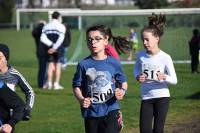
column 6, row 128
column 85, row 102
column 161, row 76
column 141, row 78
column 119, row 93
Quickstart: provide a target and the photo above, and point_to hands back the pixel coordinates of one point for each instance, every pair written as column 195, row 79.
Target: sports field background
column 58, row 111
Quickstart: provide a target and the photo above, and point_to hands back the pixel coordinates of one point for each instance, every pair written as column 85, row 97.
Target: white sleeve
column 171, row 74
column 60, row 38
column 45, row 40
column 59, row 41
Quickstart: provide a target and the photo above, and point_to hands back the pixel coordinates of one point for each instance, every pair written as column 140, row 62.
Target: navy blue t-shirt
column 97, row 79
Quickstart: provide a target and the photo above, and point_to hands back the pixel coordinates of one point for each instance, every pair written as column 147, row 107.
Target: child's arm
column 27, row 89
column 170, row 75
column 84, row 102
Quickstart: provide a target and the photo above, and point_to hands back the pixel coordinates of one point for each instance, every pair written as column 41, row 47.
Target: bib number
column 151, row 74
column 102, row 96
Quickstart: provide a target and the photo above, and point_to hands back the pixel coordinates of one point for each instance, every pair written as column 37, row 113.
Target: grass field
column 58, row 111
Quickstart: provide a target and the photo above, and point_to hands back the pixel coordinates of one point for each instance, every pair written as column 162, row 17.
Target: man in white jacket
column 52, row 36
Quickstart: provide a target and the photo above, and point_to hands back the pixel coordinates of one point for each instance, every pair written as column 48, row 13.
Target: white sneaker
column 47, row 85
column 58, row 86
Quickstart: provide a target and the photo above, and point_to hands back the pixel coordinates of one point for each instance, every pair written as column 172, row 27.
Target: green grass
column 58, row 111
column 174, row 42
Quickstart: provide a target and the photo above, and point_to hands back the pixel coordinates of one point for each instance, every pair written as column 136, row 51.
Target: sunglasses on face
column 96, row 39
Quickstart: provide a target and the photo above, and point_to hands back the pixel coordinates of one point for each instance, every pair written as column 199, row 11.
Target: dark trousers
column 194, row 62
column 153, row 110
column 105, row 124
column 42, row 71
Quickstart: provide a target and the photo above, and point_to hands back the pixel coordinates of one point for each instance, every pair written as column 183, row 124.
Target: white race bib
column 150, row 71
column 102, row 95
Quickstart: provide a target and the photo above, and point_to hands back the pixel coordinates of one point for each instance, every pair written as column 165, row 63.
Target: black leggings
column 105, row 124
column 153, row 109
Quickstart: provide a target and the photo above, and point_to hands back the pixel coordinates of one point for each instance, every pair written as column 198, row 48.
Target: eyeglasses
column 96, row 39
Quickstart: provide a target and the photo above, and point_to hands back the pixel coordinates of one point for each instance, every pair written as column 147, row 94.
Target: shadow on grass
column 194, row 96
column 50, row 92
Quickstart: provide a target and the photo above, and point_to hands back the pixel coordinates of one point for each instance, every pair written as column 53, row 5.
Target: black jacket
column 10, row 100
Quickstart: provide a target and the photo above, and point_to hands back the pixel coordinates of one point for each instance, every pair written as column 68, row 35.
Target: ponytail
column 156, row 24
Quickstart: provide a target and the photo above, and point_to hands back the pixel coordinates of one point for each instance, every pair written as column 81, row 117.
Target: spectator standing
column 40, row 53
column 9, row 99
column 98, row 84
column 133, row 38
column 154, row 70
column 194, row 47
column 53, row 35
column 14, row 78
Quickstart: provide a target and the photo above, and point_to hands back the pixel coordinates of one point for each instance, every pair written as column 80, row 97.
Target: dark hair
column 156, row 25
column 195, row 32
column 121, row 44
column 55, row 15
column 5, row 50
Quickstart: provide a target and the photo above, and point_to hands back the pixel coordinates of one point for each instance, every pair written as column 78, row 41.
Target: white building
column 55, row 3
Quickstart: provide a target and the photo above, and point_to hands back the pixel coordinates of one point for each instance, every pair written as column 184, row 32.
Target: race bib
column 150, row 71
column 102, row 95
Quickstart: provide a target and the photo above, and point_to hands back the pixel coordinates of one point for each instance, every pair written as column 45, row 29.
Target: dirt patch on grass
column 187, row 127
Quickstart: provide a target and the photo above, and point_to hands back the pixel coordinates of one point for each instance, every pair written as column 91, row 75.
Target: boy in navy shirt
column 98, row 84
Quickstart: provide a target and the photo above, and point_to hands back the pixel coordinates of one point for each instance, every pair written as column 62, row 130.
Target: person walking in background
column 41, row 54
column 14, row 78
column 194, row 47
column 154, row 70
column 52, row 37
column 98, row 85
column 9, row 99
column 133, row 38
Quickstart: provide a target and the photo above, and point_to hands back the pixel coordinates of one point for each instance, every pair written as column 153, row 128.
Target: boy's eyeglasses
column 96, row 39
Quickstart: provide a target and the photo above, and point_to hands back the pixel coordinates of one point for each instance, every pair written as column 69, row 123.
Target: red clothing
column 110, row 50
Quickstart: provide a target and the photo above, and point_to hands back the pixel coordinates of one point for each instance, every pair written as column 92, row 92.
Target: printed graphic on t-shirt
column 150, row 70
column 100, row 85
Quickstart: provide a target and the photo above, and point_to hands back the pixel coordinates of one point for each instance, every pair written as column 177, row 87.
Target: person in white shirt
column 53, row 35
column 154, row 69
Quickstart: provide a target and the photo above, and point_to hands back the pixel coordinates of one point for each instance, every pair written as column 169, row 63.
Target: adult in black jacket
column 9, row 99
column 41, row 53
column 194, row 50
